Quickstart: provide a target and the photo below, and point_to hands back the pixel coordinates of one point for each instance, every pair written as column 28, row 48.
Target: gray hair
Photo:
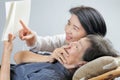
column 100, row 46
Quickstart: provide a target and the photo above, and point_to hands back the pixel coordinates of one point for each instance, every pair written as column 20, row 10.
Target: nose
column 70, row 45
column 68, row 29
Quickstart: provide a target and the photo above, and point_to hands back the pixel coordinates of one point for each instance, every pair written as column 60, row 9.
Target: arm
column 48, row 43
column 5, row 68
column 5, row 64
column 38, row 43
column 27, row 56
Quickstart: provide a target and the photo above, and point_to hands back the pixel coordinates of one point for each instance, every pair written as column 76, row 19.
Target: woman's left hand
column 8, row 45
column 60, row 55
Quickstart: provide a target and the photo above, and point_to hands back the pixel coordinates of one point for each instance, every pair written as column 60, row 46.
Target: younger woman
column 83, row 21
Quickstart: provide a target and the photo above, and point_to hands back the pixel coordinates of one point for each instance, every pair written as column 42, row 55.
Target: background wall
column 48, row 17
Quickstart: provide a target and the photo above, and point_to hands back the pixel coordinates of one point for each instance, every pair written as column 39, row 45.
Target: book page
column 16, row 11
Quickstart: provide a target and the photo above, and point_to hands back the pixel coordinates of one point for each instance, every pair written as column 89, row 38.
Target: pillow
column 96, row 67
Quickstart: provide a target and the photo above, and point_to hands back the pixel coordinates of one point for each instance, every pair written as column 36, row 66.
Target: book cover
column 16, row 11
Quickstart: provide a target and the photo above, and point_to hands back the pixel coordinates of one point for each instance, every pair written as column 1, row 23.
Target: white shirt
column 48, row 43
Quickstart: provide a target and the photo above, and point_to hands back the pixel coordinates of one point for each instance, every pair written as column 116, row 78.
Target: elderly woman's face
column 76, row 50
column 74, row 30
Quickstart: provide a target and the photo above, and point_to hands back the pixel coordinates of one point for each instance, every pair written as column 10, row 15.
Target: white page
column 16, row 10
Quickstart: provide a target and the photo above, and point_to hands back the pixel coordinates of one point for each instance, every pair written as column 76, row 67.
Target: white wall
column 48, row 17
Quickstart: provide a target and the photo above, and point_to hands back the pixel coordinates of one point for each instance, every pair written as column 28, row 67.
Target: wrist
column 51, row 59
column 33, row 40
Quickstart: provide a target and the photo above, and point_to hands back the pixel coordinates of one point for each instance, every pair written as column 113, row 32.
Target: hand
column 8, row 45
column 60, row 54
column 27, row 34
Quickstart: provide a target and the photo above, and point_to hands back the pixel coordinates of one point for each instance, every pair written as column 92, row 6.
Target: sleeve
column 48, row 43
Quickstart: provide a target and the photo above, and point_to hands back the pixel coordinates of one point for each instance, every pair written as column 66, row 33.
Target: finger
column 60, row 60
column 65, row 53
column 22, row 33
column 24, row 26
column 10, row 37
column 27, row 37
column 56, row 57
column 63, row 59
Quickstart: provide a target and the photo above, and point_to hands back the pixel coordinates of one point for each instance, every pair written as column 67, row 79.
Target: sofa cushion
column 96, row 67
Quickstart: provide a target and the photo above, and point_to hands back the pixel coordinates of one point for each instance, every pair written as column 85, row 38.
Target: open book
column 16, row 11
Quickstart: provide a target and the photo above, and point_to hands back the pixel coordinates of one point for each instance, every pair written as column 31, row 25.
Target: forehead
column 74, row 19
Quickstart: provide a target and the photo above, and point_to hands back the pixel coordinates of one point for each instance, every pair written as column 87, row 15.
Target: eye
column 75, row 28
column 68, row 23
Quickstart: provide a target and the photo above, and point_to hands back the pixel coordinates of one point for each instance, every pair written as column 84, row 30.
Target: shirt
column 48, row 43
column 40, row 71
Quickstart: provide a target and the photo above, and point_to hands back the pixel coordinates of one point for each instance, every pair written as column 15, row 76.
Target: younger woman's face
column 74, row 30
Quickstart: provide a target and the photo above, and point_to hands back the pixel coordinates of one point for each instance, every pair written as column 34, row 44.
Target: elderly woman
column 80, row 52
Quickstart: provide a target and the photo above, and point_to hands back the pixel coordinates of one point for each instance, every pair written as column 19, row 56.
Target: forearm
column 5, row 66
column 48, row 43
column 27, row 56
column 31, row 42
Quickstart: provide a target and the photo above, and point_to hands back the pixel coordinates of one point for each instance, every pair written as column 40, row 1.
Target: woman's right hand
column 26, row 34
column 60, row 54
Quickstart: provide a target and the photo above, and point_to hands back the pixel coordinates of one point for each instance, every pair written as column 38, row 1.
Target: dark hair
column 91, row 20
column 99, row 47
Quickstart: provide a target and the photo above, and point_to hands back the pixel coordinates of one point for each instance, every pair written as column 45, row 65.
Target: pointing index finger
column 24, row 26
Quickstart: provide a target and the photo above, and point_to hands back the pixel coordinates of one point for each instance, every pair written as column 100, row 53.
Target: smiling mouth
column 68, row 38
